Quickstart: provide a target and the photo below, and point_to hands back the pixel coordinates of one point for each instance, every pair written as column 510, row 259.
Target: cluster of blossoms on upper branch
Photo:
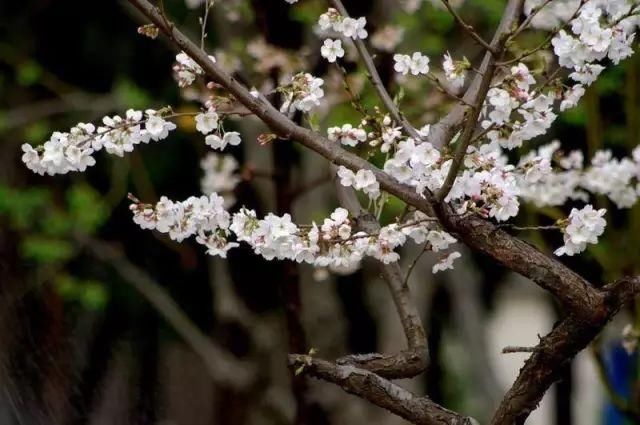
column 519, row 107
column 73, row 150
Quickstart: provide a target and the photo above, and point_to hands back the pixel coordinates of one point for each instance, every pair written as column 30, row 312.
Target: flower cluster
column 204, row 217
column 550, row 15
column 347, row 135
column 455, row 72
column 220, row 143
column 417, row 164
column 598, row 32
column 387, row 135
column 186, row 69
column 331, row 50
column 332, row 244
column 73, row 150
column 571, row 180
column 584, row 226
column 415, row 64
column 208, row 122
column 303, row 93
column 601, row 30
column 516, row 113
column 363, row 180
column 488, row 185
column 446, row 263
column 346, row 26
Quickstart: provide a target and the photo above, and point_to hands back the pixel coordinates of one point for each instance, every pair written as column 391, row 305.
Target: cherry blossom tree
column 461, row 178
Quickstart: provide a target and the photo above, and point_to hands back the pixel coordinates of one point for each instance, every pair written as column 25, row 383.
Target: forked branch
column 381, row 392
column 407, row 363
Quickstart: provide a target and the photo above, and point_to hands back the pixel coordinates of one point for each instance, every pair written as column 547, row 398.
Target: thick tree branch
column 573, row 292
column 569, row 337
column 513, row 11
column 379, row 391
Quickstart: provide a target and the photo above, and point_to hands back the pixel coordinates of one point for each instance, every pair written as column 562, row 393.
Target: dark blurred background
column 104, row 323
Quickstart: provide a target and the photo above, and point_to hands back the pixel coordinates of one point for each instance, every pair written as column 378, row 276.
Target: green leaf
column 56, row 223
column 67, row 287
column 23, row 206
column 36, row 132
column 94, row 295
column 29, row 73
column 128, row 93
column 86, row 207
column 46, row 250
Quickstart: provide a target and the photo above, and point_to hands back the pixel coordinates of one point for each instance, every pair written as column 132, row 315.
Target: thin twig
column 469, row 29
column 527, row 21
column 547, row 39
column 415, row 262
column 203, row 22
column 516, row 349
column 376, row 81
column 514, row 227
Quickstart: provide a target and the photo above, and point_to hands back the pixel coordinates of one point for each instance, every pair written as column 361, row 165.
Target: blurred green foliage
column 90, row 294
column 48, row 231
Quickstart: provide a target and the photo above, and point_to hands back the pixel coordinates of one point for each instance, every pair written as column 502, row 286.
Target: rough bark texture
column 381, row 392
column 574, row 292
column 557, row 348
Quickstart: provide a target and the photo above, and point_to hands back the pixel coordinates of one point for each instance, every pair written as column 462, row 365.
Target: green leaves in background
column 28, row 73
column 86, row 208
column 90, row 294
column 49, row 227
column 46, row 250
column 22, row 206
column 130, row 94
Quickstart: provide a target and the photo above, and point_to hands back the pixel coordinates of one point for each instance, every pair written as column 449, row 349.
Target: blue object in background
column 620, row 369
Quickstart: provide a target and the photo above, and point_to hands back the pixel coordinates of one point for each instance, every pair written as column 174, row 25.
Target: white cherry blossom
column 347, row 135
column 584, row 227
column 446, row 263
column 207, row 122
column 331, row 50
